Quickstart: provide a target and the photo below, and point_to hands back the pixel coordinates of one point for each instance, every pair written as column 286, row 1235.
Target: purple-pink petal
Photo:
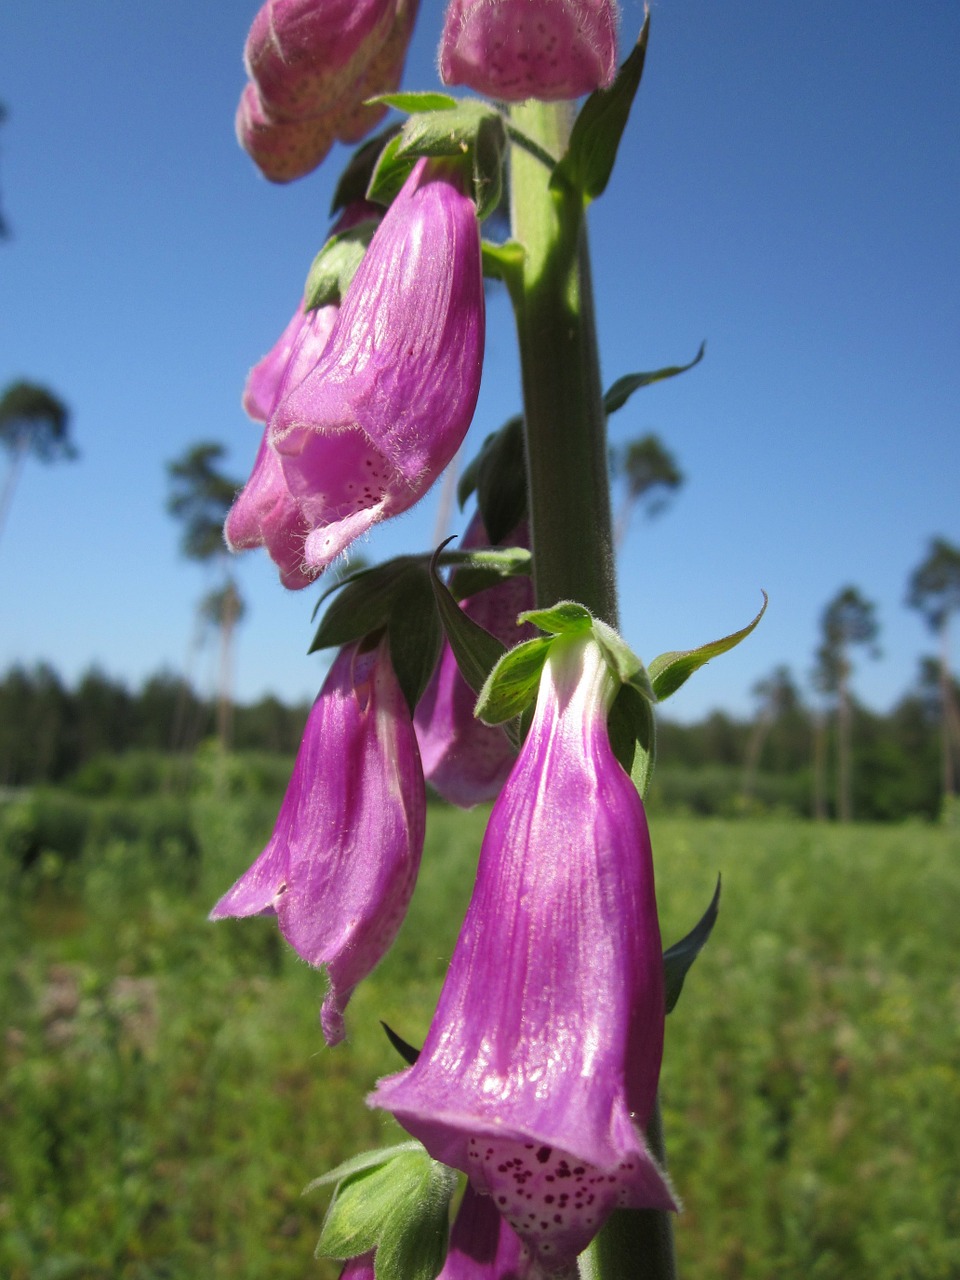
column 369, row 429
column 519, row 49
column 482, row 1245
column 341, row 864
column 540, row 1068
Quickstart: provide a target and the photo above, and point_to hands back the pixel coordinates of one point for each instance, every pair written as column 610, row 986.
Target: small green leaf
column 355, row 178
column 452, row 132
column 671, row 670
column 390, row 173
column 400, row 1208
column 415, row 633
column 564, row 618
column 621, row 391
column 678, row 958
column 335, row 265
column 513, row 683
column 595, row 137
column 360, row 1163
column 412, row 102
column 482, row 569
column 504, row 262
column 498, row 473
column 364, row 602
column 632, row 729
column 406, row 1051
column 477, row 651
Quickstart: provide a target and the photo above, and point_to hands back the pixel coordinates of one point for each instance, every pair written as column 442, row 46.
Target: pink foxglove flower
column 341, row 864
column 265, row 513
column 466, row 760
column 367, row 432
column 482, row 1245
column 312, row 64
column 539, row 1072
column 518, row 49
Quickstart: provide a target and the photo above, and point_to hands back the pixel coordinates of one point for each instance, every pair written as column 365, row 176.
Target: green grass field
column 165, row 1093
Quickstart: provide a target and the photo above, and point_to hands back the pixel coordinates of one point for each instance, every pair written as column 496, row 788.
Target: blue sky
column 788, row 190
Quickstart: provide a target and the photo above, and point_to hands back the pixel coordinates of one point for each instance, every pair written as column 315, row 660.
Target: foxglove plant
column 369, row 429
column 341, row 864
column 531, row 1081
column 538, row 1077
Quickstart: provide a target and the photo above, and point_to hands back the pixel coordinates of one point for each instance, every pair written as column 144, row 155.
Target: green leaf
column 678, row 958
column 400, row 1208
column 451, row 132
column 499, row 475
column 621, row 391
column 364, row 602
column 632, row 729
column 355, row 178
column 564, row 618
column 504, row 262
column 595, row 137
column 477, row 651
column 415, row 634
column 671, row 670
column 406, row 1051
column 513, row 683
column 335, row 265
column 411, row 102
column 358, row 1164
column 390, row 173
column 482, row 569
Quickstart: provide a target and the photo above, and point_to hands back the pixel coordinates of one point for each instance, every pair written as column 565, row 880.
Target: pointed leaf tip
column 678, row 958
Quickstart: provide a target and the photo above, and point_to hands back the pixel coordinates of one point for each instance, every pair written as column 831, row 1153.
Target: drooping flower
column 312, row 64
column 482, row 1245
column 540, row 1069
column 341, row 864
column 466, row 760
column 369, row 429
column 518, row 49
column 265, row 513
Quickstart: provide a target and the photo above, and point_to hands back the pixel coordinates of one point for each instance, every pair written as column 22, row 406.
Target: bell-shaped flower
column 539, row 1072
column 369, row 429
column 265, row 513
column 465, row 760
column 312, row 65
column 482, row 1245
column 341, row 864
column 518, row 49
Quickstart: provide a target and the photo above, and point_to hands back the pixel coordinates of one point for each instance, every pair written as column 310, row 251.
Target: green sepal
column 336, row 264
column 595, row 137
column 513, row 683
column 361, row 1163
column 671, row 670
column 355, row 179
column 426, row 100
column 678, row 958
column 400, row 1208
column 498, row 474
column 564, row 618
column 477, row 651
column 632, row 728
column 482, row 569
column 471, row 130
column 621, row 659
column 390, row 173
column 620, row 392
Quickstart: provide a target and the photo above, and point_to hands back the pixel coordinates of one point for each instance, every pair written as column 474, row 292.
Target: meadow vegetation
column 165, row 1093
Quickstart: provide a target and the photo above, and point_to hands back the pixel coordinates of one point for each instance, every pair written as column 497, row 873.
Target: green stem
column 569, row 495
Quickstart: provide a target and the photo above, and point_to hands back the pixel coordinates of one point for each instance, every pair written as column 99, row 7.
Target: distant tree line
column 49, row 731
column 720, row 765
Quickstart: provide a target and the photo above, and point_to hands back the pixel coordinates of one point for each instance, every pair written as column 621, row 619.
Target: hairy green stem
column 569, row 496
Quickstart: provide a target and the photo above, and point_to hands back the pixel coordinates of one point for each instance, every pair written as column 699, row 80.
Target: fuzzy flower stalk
column 341, row 864
column 539, row 1072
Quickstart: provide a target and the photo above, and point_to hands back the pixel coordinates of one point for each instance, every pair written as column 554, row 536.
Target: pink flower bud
column 518, row 49
column 341, row 864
